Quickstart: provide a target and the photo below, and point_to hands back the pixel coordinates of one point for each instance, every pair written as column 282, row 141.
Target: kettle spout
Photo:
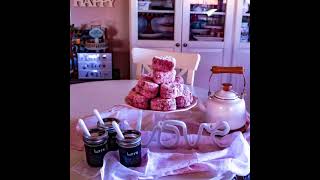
column 202, row 106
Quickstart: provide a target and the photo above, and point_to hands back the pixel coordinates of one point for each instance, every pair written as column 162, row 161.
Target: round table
column 102, row 95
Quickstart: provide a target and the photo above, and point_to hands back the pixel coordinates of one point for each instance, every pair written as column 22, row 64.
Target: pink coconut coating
column 129, row 98
column 149, row 86
column 180, row 88
column 137, row 100
column 179, row 79
column 146, row 93
column 161, row 77
column 160, row 104
column 163, row 63
column 147, row 89
column 185, row 100
column 168, row 91
column 146, row 77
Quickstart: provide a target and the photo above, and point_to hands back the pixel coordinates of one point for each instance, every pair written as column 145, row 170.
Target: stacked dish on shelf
column 206, row 26
column 161, row 27
column 156, row 19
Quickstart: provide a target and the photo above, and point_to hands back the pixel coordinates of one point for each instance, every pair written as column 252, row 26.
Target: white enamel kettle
column 225, row 104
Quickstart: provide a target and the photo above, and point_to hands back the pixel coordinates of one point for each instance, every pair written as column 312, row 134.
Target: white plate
column 194, row 103
column 200, row 31
column 208, row 38
column 155, row 35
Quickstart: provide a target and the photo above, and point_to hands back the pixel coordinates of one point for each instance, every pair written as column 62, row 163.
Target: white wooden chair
column 186, row 62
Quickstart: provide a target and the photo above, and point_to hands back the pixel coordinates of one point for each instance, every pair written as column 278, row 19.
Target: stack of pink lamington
column 162, row 90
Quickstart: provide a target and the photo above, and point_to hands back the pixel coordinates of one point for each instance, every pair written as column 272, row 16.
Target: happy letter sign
column 93, row 3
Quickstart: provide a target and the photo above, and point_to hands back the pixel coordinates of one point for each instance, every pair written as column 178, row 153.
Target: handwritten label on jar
column 95, row 155
column 97, row 151
column 130, row 157
column 132, row 154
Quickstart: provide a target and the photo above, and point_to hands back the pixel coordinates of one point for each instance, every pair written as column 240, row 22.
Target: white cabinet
column 207, row 27
column 206, row 30
column 241, row 47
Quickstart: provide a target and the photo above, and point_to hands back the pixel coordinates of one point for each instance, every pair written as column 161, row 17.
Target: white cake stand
column 160, row 115
column 193, row 104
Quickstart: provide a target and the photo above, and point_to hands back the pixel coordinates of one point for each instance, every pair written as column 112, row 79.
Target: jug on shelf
column 225, row 104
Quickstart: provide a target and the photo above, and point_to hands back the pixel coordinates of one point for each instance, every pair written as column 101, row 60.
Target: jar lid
column 226, row 93
column 98, row 136
column 131, row 138
column 108, row 123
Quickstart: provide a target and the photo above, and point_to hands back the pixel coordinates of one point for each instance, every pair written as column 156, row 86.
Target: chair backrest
column 187, row 62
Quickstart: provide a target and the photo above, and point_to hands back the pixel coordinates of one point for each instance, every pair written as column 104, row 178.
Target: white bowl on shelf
column 164, row 20
column 164, row 28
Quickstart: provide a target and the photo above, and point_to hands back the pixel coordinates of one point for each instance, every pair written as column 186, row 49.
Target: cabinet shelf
column 214, row 27
column 155, row 11
column 215, row 13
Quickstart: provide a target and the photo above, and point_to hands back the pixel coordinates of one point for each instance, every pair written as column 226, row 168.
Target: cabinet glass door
column 207, row 23
column 156, row 24
column 207, row 20
column 156, row 19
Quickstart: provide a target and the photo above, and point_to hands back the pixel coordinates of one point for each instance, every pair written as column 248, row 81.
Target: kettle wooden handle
column 222, row 69
column 233, row 70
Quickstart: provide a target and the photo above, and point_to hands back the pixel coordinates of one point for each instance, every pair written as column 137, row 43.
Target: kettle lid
column 226, row 93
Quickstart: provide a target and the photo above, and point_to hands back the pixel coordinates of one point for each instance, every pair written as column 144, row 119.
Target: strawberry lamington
column 137, row 100
column 161, row 90
column 179, row 79
column 185, row 99
column 147, row 89
column 161, row 77
column 160, row 104
column 163, row 63
column 170, row 90
column 146, row 77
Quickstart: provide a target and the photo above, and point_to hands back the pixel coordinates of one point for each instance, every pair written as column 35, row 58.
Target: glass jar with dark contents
column 130, row 148
column 112, row 140
column 96, row 146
